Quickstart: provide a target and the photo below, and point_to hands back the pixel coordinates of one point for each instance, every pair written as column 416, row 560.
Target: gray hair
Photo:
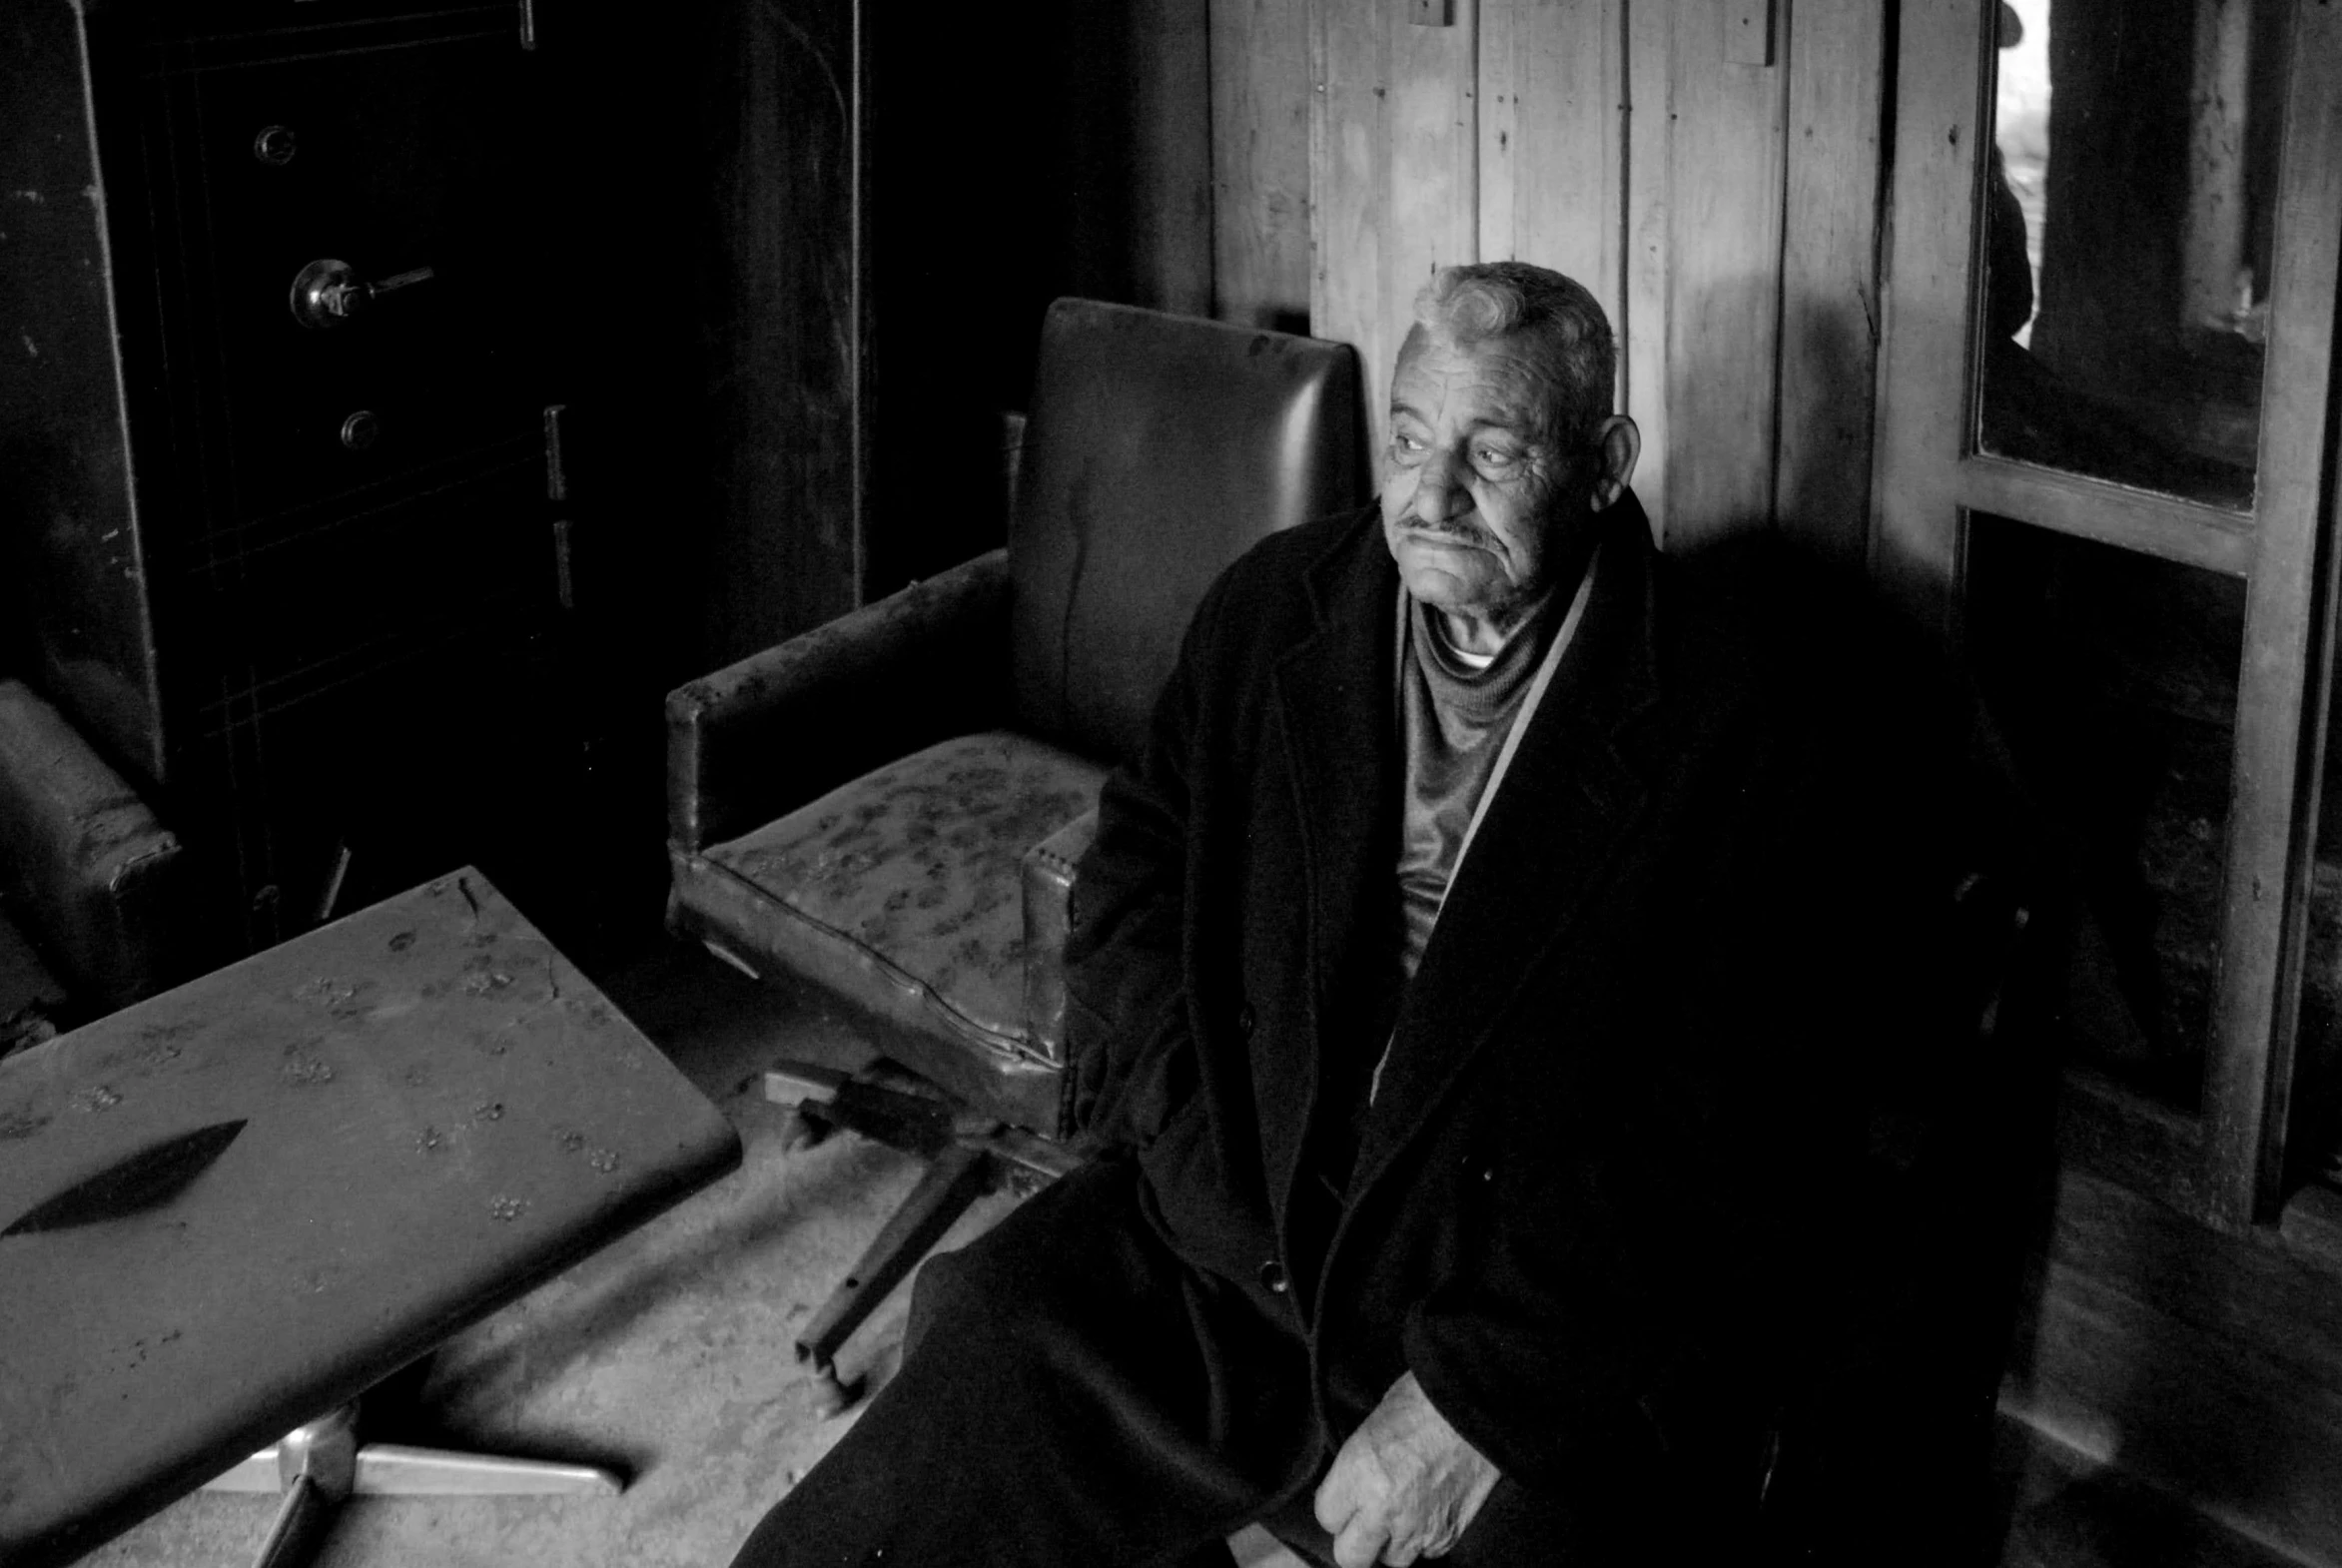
column 1562, row 326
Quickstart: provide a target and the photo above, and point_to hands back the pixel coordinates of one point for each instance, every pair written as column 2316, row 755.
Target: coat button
column 1245, row 1021
column 1272, row 1277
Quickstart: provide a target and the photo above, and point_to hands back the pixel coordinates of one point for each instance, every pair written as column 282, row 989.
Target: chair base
column 1014, row 1089
column 970, row 1156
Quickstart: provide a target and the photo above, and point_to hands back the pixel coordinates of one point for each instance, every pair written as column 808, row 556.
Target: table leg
column 317, row 1466
column 300, row 1521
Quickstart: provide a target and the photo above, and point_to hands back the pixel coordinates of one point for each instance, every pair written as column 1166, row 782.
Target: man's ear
column 1617, row 444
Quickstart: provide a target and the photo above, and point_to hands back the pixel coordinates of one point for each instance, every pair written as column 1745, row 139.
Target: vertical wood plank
column 1921, row 411
column 1260, row 118
column 1552, row 139
column 781, row 331
column 1642, row 327
column 1748, row 32
column 73, row 584
column 1723, row 324
column 1837, row 62
column 1433, row 192
column 1349, row 163
column 1506, row 30
column 1116, row 101
column 2272, row 820
column 2216, row 239
column 1174, row 215
column 1433, row 188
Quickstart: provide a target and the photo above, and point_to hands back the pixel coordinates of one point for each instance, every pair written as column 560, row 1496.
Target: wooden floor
column 2065, row 1512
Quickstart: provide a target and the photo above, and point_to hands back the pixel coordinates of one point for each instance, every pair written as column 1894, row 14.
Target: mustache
column 1463, row 532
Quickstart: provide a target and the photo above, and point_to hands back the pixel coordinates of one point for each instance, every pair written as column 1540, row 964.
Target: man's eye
column 1407, row 446
column 1491, row 457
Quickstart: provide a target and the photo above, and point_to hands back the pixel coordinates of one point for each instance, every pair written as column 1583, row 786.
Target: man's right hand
column 1405, row 1486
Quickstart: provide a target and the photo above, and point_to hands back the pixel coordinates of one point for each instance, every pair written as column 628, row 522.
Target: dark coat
column 1636, row 1089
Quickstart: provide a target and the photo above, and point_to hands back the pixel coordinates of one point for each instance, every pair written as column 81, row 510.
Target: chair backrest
column 1159, row 447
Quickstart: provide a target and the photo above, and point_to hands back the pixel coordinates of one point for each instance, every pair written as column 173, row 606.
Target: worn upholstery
column 933, row 893
column 903, row 888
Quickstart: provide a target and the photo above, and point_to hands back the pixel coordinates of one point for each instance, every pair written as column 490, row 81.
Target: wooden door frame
column 2225, row 1165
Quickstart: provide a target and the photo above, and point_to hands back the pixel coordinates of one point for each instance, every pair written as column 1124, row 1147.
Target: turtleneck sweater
column 1454, row 713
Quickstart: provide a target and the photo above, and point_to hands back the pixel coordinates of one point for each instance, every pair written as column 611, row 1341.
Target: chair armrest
column 1049, row 869
column 83, row 858
column 31, row 999
column 763, row 736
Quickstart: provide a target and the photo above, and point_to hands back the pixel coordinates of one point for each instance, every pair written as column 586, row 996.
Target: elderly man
column 1462, row 992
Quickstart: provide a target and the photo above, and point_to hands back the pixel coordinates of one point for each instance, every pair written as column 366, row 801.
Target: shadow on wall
column 1768, row 418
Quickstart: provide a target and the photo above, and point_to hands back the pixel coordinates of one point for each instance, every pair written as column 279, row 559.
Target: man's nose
column 1439, row 491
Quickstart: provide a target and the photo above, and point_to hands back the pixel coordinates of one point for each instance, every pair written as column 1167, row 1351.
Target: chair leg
column 300, row 1523
column 959, row 1176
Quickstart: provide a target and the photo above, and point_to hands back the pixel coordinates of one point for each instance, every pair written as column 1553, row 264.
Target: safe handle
column 328, row 293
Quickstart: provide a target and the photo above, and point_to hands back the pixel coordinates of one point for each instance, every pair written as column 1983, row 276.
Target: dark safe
column 279, row 471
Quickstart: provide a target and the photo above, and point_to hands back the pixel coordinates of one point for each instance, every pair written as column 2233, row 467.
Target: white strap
column 1520, row 722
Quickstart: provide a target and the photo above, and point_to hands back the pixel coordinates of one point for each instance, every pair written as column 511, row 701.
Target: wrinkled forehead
column 1489, row 381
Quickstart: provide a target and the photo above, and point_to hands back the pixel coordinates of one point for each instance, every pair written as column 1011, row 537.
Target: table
column 441, row 1114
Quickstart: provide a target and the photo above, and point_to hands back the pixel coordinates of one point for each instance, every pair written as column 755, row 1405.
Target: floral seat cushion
column 901, row 889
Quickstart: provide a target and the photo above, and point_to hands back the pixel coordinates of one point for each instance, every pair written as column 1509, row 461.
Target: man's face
column 1475, row 496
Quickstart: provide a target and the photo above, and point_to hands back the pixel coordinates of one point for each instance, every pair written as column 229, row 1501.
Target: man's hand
column 1405, row 1484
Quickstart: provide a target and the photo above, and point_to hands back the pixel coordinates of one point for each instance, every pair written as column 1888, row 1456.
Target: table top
column 440, row 1113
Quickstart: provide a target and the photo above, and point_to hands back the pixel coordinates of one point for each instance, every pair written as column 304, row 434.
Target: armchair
column 895, row 805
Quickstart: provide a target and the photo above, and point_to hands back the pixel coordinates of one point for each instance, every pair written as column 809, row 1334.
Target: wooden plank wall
column 1724, row 209
column 1259, row 122
column 1292, row 164
column 777, row 303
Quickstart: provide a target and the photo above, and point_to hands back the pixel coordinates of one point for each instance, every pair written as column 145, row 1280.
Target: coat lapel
column 1334, row 709
column 1556, row 823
